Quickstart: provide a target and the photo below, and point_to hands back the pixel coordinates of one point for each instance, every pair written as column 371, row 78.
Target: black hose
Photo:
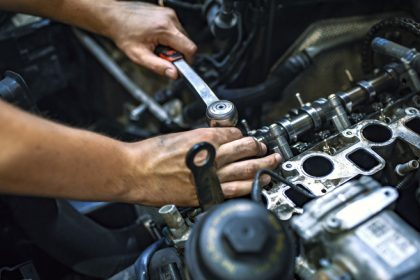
column 257, row 189
column 269, row 35
column 141, row 265
column 279, row 78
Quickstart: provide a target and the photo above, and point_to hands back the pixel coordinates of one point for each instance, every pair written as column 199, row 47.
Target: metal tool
column 220, row 113
column 103, row 58
column 207, row 184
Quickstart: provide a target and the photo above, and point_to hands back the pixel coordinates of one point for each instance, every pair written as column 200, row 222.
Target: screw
column 299, row 99
column 349, row 75
column 333, row 223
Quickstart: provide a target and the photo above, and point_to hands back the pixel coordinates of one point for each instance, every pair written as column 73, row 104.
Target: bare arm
column 87, row 14
column 42, row 158
column 136, row 28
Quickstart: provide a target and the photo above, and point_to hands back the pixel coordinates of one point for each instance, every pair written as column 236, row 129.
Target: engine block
column 363, row 149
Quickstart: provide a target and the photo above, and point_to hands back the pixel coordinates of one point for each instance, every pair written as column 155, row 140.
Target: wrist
column 109, row 17
column 132, row 176
column 94, row 16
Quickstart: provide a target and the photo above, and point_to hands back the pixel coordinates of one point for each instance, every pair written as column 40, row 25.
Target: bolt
column 326, row 148
column 411, row 111
column 246, row 126
column 299, row 99
column 173, row 219
column 349, row 75
column 333, row 223
column 324, row 263
column 405, row 168
column 246, row 235
column 382, row 116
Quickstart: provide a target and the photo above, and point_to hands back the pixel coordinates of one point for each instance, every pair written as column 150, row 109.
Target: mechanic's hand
column 138, row 28
column 162, row 177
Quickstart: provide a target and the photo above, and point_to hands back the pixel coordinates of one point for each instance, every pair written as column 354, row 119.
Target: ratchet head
column 222, row 113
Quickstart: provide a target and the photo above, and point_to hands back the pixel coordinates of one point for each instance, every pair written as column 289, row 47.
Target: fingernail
column 265, row 180
column 277, row 157
column 263, row 148
column 170, row 73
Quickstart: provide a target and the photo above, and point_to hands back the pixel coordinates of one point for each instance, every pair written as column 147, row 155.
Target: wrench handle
column 168, row 54
column 207, row 184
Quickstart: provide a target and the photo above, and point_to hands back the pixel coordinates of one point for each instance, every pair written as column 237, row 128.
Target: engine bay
column 333, row 86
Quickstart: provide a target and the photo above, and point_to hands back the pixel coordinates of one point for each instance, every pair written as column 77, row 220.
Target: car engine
column 333, row 86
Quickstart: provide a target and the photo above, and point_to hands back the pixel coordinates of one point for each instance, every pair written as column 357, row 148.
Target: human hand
column 160, row 174
column 138, row 28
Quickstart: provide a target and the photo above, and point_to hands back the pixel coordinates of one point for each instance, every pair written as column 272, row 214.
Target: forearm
column 94, row 16
column 41, row 158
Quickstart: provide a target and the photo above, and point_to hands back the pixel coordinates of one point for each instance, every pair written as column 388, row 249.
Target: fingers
column 217, row 136
column 246, row 169
column 147, row 58
column 241, row 188
column 239, row 149
column 177, row 40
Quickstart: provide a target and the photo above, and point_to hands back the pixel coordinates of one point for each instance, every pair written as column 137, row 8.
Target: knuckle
column 163, row 24
column 249, row 142
column 206, row 134
column 193, row 48
column 250, row 169
column 170, row 13
column 235, row 131
column 180, row 37
column 140, row 58
column 271, row 161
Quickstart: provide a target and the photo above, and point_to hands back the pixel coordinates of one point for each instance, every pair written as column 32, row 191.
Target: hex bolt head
column 333, row 223
column 246, row 236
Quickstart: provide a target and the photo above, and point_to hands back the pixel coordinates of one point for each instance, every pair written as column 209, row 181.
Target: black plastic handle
column 207, row 184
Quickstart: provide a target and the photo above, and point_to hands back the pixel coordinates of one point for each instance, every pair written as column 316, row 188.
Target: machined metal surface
column 345, row 166
column 405, row 168
column 195, row 81
column 222, row 113
column 362, row 149
column 173, row 220
column 219, row 113
column 178, row 229
column 362, row 209
column 310, row 224
column 313, row 116
column 340, row 118
column 359, row 236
